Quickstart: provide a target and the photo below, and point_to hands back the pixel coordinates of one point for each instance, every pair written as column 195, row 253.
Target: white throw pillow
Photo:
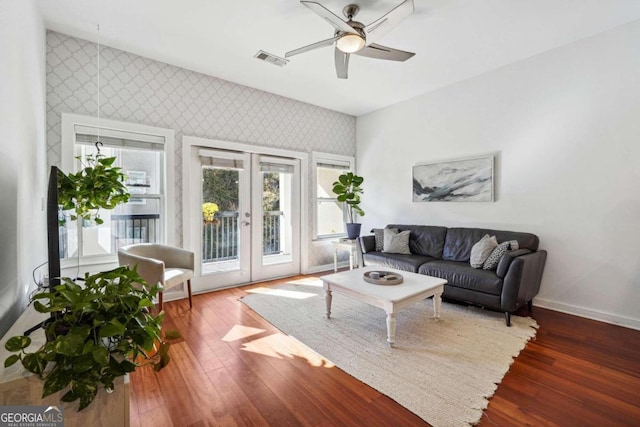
column 482, row 249
column 396, row 242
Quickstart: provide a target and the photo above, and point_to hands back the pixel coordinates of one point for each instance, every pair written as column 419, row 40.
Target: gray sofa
column 445, row 252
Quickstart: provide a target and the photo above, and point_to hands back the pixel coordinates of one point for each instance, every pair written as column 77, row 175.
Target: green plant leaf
column 11, row 360
column 17, row 343
column 172, row 334
column 69, row 396
column 71, row 344
column 83, row 364
column 40, row 308
column 86, row 397
column 57, row 379
column 145, row 302
column 101, row 355
column 33, row 363
column 112, row 328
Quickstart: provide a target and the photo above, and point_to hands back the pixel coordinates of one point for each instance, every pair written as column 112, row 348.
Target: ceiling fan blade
column 382, row 52
column 342, row 64
column 329, row 16
column 382, row 26
column 317, row 45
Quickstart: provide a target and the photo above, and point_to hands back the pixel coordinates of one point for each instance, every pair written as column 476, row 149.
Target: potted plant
column 209, row 213
column 97, row 185
column 348, row 189
column 97, row 332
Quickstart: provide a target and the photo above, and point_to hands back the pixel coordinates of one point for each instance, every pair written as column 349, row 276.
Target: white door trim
column 187, row 222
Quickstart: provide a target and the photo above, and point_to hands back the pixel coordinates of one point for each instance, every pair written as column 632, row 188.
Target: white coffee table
column 391, row 298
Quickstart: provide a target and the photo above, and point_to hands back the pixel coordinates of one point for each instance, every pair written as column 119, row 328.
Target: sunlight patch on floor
column 280, row 345
column 238, row 332
column 281, row 293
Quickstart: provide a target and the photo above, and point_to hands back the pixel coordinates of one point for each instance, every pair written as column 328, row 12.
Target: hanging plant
column 98, row 185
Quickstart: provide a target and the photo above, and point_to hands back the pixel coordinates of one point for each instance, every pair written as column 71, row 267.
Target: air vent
column 271, row 58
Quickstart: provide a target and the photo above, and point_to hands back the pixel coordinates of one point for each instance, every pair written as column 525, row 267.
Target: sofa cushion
column 459, row 241
column 401, row 262
column 461, row 274
column 396, row 242
column 481, row 250
column 505, row 261
column 425, row 240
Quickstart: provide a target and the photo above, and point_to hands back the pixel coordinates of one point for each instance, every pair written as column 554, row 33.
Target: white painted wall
column 23, row 174
column 565, row 129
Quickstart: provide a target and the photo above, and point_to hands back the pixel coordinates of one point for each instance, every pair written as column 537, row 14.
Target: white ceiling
column 453, row 40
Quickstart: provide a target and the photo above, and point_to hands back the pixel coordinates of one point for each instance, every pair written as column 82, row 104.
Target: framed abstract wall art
column 465, row 180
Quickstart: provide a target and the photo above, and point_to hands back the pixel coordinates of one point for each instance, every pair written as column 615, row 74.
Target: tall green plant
column 98, row 185
column 98, row 332
column 347, row 187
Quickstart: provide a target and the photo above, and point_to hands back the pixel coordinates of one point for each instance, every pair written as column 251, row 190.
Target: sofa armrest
column 522, row 280
column 505, row 261
column 367, row 243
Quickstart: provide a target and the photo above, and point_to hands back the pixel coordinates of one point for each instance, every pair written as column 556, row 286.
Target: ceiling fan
column 352, row 37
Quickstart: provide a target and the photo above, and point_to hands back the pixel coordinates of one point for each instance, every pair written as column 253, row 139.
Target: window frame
column 318, row 158
column 74, row 123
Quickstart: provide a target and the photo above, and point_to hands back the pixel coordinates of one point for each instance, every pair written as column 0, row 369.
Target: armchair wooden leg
column 507, row 318
column 159, row 302
column 189, row 289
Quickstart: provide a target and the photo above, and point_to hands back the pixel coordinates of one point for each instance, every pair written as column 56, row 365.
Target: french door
column 245, row 216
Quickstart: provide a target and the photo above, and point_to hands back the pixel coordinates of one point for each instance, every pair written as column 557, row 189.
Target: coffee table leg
column 437, row 301
column 327, row 300
column 391, row 328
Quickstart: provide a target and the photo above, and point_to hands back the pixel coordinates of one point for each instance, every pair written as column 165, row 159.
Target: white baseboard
column 325, row 267
column 588, row 313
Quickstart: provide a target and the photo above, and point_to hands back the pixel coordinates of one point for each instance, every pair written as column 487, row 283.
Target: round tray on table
column 386, row 278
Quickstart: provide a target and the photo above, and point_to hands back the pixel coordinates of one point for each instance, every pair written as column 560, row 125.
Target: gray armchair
column 167, row 265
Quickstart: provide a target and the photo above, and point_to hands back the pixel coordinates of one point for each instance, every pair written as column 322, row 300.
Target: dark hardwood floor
column 232, row 368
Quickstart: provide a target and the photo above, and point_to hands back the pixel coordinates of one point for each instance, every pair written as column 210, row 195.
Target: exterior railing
column 220, row 238
column 134, row 228
column 271, row 232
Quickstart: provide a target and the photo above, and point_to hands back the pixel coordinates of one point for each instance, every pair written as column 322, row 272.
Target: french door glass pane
column 220, row 220
column 277, row 231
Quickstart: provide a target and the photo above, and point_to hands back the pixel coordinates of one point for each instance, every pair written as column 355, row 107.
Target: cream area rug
column 443, row 371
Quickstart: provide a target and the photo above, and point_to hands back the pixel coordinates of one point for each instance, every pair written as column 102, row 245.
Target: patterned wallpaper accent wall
column 140, row 90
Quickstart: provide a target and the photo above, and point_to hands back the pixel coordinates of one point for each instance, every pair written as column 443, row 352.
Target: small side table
column 346, row 245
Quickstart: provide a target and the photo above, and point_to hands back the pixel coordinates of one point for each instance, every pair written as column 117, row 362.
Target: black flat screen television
column 53, row 230
column 53, row 237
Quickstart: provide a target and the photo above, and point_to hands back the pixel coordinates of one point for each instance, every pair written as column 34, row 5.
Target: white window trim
column 327, row 158
column 72, row 122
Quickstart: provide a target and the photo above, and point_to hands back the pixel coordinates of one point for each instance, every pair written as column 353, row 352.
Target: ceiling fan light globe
column 350, row 43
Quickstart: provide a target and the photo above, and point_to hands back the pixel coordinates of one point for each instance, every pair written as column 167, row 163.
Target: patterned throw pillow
column 379, row 236
column 379, row 233
column 482, row 249
column 396, row 242
column 492, row 262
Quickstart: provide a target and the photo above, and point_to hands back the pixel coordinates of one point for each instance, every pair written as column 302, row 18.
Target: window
column 141, row 153
column 329, row 214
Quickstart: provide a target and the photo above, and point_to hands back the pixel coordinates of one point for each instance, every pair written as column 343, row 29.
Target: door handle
column 246, row 223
